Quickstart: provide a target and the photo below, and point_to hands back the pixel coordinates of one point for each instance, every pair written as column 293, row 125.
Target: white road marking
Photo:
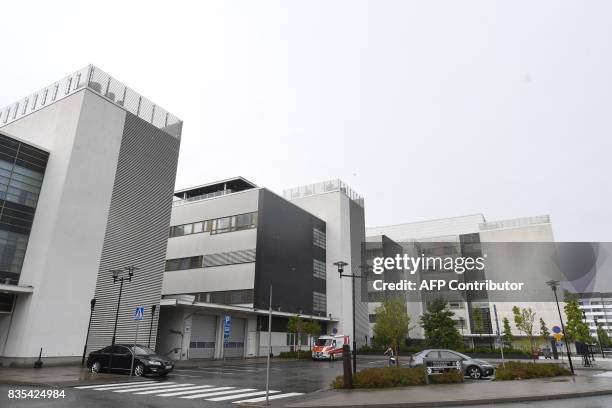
column 153, row 387
column 604, row 374
column 194, row 391
column 272, row 397
column 248, row 394
column 212, row 394
column 115, row 384
column 180, row 387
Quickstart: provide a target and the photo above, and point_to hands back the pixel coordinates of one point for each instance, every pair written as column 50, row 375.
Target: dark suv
column 146, row 361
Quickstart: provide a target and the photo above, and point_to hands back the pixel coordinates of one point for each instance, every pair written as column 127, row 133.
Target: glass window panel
column 188, row 229
column 197, row 227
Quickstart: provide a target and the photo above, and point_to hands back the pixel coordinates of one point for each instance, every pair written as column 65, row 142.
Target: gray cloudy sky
column 428, row 109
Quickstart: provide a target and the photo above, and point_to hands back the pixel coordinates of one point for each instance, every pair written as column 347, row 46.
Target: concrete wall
column 83, row 133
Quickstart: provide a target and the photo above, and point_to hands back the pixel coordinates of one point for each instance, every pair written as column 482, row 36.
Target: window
column 319, row 270
column 215, row 226
column 229, row 297
column 180, row 264
column 447, row 355
column 319, row 302
column 372, row 318
column 318, row 238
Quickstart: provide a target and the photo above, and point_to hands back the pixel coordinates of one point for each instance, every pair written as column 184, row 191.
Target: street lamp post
column 92, row 305
column 598, row 338
column 553, row 285
column 341, row 265
column 117, row 278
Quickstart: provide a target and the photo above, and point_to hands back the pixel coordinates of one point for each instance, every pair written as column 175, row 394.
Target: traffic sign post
column 138, row 317
column 227, row 329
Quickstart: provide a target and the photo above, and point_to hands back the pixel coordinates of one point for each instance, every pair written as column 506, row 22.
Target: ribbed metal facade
column 136, row 233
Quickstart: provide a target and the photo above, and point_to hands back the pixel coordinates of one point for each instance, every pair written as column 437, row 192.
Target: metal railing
column 321, row 188
column 103, row 84
column 182, row 201
column 514, row 223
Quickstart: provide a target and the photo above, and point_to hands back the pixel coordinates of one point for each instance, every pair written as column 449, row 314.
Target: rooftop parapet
column 322, row 188
column 100, row 82
column 515, row 223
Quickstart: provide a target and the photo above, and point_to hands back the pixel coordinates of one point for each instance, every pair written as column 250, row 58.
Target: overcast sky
column 428, row 109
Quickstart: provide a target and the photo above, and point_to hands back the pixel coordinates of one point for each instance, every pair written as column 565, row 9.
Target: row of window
column 319, row 269
column 211, row 260
column 216, row 226
column 12, row 250
column 228, row 297
column 318, row 238
column 319, row 302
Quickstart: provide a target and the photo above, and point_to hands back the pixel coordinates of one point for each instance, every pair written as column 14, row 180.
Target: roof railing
column 101, row 83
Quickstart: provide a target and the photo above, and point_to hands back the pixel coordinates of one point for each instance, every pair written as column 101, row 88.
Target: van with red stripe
column 329, row 347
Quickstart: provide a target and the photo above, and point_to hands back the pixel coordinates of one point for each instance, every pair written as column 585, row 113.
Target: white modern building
column 101, row 203
column 342, row 209
column 229, row 242
column 470, row 235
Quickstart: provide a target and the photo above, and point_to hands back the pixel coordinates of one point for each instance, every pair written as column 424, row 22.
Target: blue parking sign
column 227, row 327
column 139, row 313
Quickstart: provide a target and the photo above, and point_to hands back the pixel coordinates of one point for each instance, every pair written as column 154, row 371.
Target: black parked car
column 146, row 361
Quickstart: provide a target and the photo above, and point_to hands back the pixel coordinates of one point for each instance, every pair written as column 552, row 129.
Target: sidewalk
column 491, row 392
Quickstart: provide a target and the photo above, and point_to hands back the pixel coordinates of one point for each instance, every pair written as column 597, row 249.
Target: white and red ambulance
column 329, row 347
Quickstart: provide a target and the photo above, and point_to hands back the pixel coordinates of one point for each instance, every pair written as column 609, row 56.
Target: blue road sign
column 227, row 327
column 556, row 329
column 139, row 313
column 335, row 330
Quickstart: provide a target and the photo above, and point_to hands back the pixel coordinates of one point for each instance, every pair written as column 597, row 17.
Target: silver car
column 470, row 367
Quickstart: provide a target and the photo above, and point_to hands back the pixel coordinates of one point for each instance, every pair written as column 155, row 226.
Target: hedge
column 519, row 370
column 396, row 377
column 304, row 354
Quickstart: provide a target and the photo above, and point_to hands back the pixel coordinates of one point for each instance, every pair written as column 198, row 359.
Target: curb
column 480, row 401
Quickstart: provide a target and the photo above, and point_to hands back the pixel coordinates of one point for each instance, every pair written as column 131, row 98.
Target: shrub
column 395, row 377
column 304, row 354
column 518, row 370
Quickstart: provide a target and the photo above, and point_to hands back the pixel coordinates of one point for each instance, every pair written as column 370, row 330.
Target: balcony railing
column 101, row 83
column 321, row 188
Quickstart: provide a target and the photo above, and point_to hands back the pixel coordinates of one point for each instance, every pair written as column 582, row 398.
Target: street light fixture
column 553, row 285
column 92, row 305
column 118, row 278
column 341, row 265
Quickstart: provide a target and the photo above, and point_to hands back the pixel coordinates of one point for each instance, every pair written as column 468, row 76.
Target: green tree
column 439, row 327
column 312, row 328
column 477, row 320
column 602, row 336
column 295, row 325
column 392, row 324
column 575, row 328
column 544, row 332
column 507, row 333
column 524, row 320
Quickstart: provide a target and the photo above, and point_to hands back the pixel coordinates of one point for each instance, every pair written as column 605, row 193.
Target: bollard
column 346, row 362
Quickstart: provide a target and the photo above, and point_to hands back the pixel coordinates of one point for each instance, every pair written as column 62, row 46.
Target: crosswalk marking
column 248, row 394
column 84, row 387
column 212, row 394
column 195, row 390
column 131, row 385
column 148, row 387
column 191, row 391
column 182, row 388
column 272, row 397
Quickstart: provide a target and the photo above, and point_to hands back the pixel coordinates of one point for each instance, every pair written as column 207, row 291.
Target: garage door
column 203, row 334
column 235, row 346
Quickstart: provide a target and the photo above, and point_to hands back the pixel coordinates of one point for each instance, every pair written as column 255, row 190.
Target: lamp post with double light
column 553, row 285
column 119, row 277
column 341, row 265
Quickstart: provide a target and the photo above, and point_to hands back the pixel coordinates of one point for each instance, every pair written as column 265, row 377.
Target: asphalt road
column 224, row 386
column 208, row 386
